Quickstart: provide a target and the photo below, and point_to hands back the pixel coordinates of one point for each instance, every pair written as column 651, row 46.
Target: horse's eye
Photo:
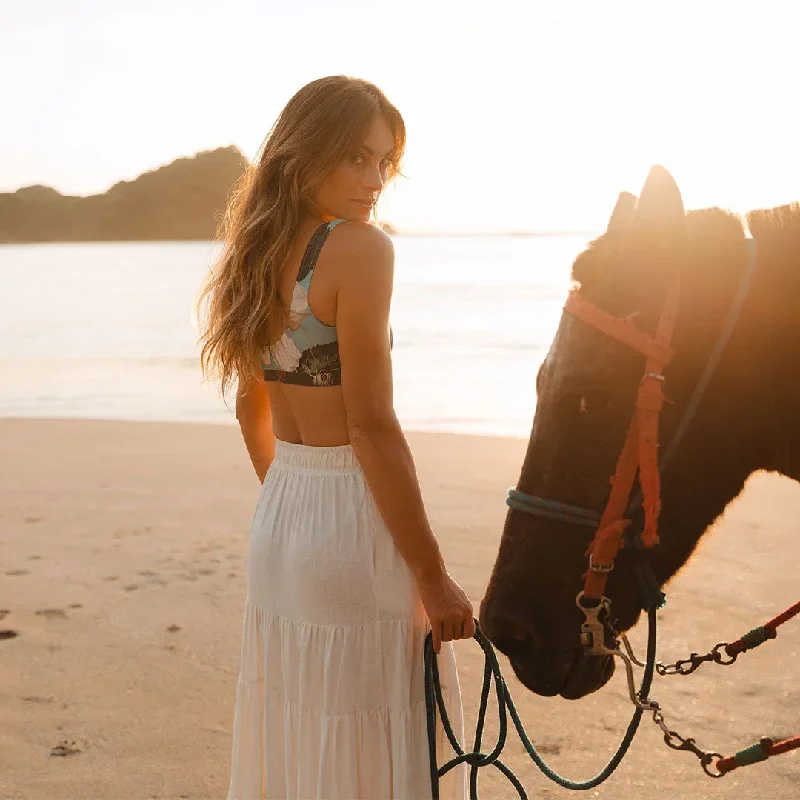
column 582, row 395
column 597, row 400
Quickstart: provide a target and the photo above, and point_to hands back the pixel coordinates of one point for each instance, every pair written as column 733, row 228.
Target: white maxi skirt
column 330, row 698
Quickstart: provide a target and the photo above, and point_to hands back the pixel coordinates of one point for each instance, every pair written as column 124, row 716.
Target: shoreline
column 227, row 422
column 477, row 234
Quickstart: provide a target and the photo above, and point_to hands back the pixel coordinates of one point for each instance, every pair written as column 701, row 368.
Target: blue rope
column 552, row 509
column 477, row 759
column 716, row 353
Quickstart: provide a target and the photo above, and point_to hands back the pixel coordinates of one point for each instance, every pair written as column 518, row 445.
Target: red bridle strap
column 640, row 451
column 617, row 328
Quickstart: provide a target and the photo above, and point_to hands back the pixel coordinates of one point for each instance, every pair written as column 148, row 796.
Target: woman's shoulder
column 359, row 254
column 352, row 238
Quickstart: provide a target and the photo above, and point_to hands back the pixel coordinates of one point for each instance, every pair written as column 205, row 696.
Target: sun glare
column 522, row 119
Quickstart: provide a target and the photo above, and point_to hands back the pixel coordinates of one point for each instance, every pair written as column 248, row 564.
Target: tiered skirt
column 330, row 696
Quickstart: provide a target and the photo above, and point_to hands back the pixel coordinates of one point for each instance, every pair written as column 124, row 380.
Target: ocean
column 105, row 330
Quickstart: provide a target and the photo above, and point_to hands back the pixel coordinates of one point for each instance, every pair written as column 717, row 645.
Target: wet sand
column 122, row 554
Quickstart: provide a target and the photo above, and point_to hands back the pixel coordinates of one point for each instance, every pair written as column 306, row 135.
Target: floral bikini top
column 307, row 354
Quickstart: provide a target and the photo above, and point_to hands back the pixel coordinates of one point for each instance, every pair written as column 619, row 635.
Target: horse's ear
column 659, row 212
column 651, row 248
column 622, row 215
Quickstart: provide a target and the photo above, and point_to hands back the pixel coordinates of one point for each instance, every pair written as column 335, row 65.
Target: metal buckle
column 600, row 569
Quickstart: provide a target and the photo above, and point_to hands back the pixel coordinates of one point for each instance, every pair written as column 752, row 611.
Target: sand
column 122, row 550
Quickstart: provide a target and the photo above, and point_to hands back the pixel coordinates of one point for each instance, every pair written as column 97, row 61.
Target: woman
column 344, row 575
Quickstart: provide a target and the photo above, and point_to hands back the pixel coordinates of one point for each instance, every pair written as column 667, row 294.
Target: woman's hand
column 448, row 608
column 254, row 414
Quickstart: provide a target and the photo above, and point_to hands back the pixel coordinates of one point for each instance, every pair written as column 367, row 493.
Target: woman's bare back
column 311, row 415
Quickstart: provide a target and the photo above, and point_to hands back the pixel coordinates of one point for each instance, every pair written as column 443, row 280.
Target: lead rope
column 477, row 759
column 713, row 763
column 726, row 654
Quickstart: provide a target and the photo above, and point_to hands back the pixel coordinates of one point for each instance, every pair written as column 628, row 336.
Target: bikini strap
column 314, row 247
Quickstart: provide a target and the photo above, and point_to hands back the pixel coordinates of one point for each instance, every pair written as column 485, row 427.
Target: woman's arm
column 254, row 413
column 365, row 267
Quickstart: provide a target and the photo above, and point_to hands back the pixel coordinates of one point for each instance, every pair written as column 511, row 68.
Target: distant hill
column 182, row 200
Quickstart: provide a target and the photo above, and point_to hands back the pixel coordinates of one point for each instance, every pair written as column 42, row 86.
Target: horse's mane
column 781, row 221
column 766, row 223
column 712, row 231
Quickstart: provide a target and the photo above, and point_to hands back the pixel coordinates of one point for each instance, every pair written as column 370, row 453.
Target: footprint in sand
column 37, row 698
column 111, row 578
column 206, row 571
column 75, row 605
column 7, row 633
column 550, row 748
column 29, row 520
column 52, row 612
column 17, row 572
column 154, row 579
column 232, row 575
column 130, row 587
column 65, row 748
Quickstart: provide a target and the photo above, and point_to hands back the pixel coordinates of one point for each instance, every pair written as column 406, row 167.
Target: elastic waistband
column 339, row 457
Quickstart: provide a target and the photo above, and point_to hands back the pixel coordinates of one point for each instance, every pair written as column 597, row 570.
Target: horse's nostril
column 513, row 630
column 508, row 634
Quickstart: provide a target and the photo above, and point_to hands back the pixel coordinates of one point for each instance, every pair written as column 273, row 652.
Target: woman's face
column 352, row 189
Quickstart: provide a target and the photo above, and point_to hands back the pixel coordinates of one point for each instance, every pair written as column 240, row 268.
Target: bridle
column 639, row 454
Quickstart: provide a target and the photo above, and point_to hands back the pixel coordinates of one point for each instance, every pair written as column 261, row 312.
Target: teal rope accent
column 750, row 755
column 755, row 637
column 476, row 759
column 551, row 509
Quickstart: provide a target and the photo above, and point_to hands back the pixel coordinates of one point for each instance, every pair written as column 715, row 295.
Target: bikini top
column 307, row 354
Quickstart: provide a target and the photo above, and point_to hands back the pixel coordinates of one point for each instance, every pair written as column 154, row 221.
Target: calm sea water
column 105, row 330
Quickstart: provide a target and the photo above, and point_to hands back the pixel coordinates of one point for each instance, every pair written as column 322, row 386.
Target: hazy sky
column 520, row 114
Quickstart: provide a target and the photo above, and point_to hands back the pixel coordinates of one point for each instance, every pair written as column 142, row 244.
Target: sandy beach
column 122, row 554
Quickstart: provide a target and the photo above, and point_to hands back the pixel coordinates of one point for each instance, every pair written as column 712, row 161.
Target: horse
column 587, row 388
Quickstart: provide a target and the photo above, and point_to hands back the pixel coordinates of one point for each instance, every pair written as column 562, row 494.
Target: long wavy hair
column 315, row 132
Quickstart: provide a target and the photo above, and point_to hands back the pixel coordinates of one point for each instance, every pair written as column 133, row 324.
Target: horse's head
column 586, row 392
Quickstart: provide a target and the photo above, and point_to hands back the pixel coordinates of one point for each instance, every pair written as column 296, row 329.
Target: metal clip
column 687, row 666
column 593, row 638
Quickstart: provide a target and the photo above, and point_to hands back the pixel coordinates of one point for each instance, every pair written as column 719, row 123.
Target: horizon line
column 422, row 232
